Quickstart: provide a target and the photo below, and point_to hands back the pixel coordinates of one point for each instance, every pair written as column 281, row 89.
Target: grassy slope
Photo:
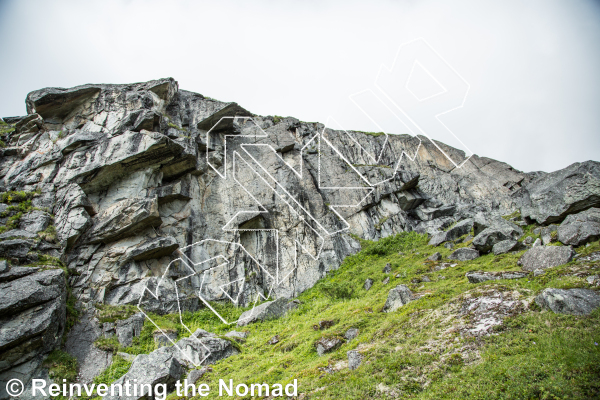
column 413, row 352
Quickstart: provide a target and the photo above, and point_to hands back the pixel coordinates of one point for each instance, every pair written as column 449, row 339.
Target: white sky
column 533, row 66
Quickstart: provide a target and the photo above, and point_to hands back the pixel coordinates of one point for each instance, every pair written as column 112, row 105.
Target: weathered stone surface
column 549, row 234
column 80, row 344
column 31, row 290
column 15, row 248
column 569, row 301
column 124, row 219
column 159, row 367
column 505, row 246
column 368, row 284
column 127, row 329
column 35, row 221
column 327, row 345
column 435, row 257
column 397, row 297
column 464, row 254
column 543, row 257
column 497, row 231
column 32, row 319
column 351, row 333
column 17, row 233
column 480, row 276
column 553, row 196
column 458, row 230
column 263, row 312
column 387, row 269
column 354, row 359
column 580, row 228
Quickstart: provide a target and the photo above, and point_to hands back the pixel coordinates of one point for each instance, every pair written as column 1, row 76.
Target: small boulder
column 239, row 337
column 274, row 340
column 581, row 228
column 397, row 297
column 265, row 311
column 386, row 280
column 326, row 345
column 549, row 234
column 368, row 284
column 569, row 301
column 464, row 254
column 195, row 374
column 543, row 257
column 449, row 245
column 435, row 257
column 478, row 277
column 354, row 359
column 538, row 242
column 387, row 269
column 323, row 324
column 351, row 333
column 528, row 240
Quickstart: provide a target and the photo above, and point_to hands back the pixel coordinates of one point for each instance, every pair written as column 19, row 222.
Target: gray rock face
column 368, row 284
column 571, row 301
column 435, row 257
column 268, row 310
column 239, row 337
column 35, row 221
column 580, row 228
column 464, row 254
column 354, row 359
column 387, row 269
column 16, row 248
column 129, row 328
column 123, row 218
column 543, row 257
column 397, row 297
column 32, row 319
column 553, row 196
column 80, row 344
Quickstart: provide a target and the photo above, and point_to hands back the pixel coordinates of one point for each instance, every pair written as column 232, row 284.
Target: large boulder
column 265, row 311
column 569, row 301
column 159, row 367
column 397, row 297
column 581, row 228
column 553, row 196
column 458, row 230
column 498, row 230
column 464, row 254
column 505, row 246
column 543, row 257
column 481, row 276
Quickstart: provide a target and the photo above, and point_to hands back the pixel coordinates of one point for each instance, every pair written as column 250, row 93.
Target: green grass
column 415, row 352
column 61, row 365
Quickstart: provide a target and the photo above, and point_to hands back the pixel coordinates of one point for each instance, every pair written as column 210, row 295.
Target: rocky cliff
column 147, row 194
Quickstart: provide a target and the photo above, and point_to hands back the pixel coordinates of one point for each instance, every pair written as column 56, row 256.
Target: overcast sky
column 532, row 66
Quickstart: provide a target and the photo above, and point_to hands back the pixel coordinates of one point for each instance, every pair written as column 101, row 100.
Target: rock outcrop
column 157, row 196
